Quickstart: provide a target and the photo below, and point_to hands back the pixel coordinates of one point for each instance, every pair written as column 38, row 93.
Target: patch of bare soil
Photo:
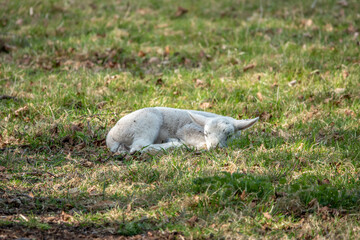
column 68, row 232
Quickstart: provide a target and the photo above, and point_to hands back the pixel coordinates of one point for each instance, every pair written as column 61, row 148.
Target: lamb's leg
column 192, row 135
column 173, row 143
column 143, row 141
column 145, row 129
column 139, row 145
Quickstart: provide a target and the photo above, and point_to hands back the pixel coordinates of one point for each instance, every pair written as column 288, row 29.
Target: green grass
column 76, row 67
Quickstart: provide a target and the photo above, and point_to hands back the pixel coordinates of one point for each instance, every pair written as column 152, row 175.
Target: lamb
column 161, row 128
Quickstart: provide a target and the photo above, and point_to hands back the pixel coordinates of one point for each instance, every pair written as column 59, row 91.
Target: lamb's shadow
column 64, row 204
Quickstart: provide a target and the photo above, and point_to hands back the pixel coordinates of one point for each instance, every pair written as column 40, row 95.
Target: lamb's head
column 217, row 130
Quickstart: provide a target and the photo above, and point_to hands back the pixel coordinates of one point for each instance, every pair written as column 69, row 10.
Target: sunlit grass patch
column 70, row 69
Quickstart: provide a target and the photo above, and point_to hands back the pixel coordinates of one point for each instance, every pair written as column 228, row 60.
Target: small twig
column 53, row 175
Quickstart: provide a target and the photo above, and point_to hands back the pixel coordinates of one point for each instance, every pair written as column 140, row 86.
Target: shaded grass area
column 69, row 70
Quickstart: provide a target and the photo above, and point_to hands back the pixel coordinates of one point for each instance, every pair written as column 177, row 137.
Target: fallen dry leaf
column 307, row 22
column 327, row 100
column 206, row 105
column 351, row 29
column 243, row 195
column 159, row 82
column 119, row 33
column 100, row 105
column 129, row 207
column 20, row 110
column 339, row 90
column 202, row 54
column 248, row 67
column 199, row 83
column 313, row 203
column 253, row 204
column 329, row 27
column 141, row 54
column 345, row 74
column 87, row 164
column 187, row 62
column 31, row 195
column 292, row 83
column 324, row 181
column 167, row 50
column 65, row 216
column 154, row 60
column 259, row 96
column 265, row 116
column 19, row 21
column 181, row 11
column 92, row 191
column 267, row 215
column 324, row 212
column 192, row 220
column 266, row 227
column 144, row 11
column 163, row 25
column 349, row 112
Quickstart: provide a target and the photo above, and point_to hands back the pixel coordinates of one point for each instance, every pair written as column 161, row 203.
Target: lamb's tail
column 111, row 143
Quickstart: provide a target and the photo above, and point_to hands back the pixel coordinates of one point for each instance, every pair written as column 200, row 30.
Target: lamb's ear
column 198, row 119
column 244, row 124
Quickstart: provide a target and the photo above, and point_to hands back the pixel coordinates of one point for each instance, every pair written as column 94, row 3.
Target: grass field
column 70, row 69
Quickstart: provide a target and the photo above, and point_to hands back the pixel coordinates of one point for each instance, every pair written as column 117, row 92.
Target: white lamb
column 160, row 128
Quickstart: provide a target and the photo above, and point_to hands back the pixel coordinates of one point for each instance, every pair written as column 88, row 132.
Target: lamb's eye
column 205, row 134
